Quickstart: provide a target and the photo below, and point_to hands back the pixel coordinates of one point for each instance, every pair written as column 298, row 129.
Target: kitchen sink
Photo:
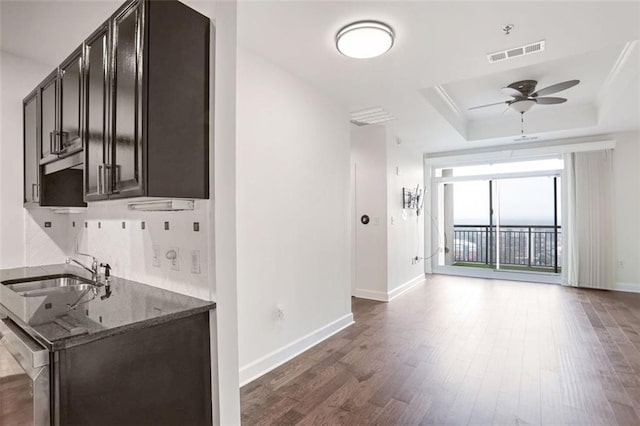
column 43, row 286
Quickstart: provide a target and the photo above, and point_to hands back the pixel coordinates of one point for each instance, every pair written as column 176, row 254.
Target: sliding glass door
column 507, row 221
column 527, row 224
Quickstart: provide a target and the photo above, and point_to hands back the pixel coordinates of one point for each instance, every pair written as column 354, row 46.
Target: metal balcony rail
column 527, row 246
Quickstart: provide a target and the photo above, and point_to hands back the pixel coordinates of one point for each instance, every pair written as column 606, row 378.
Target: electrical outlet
column 280, row 312
column 156, row 255
column 173, row 254
column 195, row 261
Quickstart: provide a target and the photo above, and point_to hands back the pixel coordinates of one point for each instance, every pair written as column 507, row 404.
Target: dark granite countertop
column 131, row 305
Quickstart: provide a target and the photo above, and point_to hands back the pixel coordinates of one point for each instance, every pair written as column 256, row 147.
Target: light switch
column 156, row 255
column 195, row 261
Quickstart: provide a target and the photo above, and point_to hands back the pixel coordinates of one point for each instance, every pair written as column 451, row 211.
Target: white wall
column 626, row 164
column 293, row 213
column 404, row 168
column 369, row 161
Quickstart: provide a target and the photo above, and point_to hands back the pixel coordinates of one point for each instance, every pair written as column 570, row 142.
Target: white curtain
column 589, row 237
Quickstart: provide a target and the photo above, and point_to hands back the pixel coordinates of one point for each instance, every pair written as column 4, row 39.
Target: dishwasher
column 24, row 378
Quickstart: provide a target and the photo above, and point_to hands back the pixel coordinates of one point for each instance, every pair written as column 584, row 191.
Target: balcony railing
column 521, row 247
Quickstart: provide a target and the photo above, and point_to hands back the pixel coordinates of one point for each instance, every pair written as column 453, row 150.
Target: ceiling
column 445, row 44
column 598, row 71
column 437, row 44
column 48, row 31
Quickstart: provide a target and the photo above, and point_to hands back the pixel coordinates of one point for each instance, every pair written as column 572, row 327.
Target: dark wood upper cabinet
column 96, row 78
column 31, row 148
column 135, row 98
column 157, row 138
column 125, row 172
column 69, row 134
column 48, row 93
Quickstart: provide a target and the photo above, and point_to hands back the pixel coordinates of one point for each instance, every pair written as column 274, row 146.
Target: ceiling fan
column 525, row 95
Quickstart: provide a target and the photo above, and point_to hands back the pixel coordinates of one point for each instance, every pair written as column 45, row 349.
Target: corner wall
column 626, row 181
column 369, row 192
column 293, row 216
column 385, row 248
column 406, row 229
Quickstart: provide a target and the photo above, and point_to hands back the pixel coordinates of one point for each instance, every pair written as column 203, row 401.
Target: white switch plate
column 156, row 255
column 195, row 261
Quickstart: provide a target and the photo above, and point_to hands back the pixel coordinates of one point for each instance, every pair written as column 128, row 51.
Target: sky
column 519, row 201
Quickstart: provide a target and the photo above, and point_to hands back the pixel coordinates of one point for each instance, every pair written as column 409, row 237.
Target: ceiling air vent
column 367, row 116
column 514, row 52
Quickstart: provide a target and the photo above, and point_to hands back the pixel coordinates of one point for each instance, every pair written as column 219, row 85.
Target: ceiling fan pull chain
column 522, row 123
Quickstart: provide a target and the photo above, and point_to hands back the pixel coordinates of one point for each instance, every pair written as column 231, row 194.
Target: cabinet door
column 126, row 172
column 96, row 62
column 48, row 116
column 69, row 140
column 31, row 156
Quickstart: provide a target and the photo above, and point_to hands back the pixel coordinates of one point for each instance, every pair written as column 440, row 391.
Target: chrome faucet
column 93, row 269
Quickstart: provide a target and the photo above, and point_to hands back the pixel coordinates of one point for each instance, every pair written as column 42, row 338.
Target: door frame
column 433, row 183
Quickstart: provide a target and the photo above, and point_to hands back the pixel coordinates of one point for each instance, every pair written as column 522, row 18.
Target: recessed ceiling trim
column 447, row 99
column 615, row 70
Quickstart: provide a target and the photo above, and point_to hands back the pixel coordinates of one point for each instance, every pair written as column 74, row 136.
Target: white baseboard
column 628, row 287
column 362, row 293
column 382, row 296
column 406, row 286
column 263, row 365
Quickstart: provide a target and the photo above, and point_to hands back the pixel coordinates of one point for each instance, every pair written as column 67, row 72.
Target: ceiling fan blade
column 510, row 91
column 554, row 88
column 549, row 100
column 488, row 105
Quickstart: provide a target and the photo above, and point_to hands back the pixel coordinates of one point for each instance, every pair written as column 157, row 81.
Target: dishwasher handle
column 26, row 351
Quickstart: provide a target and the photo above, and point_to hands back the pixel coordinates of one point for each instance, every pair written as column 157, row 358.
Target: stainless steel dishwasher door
column 24, row 378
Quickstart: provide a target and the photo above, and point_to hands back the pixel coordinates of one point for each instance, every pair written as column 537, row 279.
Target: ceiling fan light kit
column 525, row 96
column 522, row 106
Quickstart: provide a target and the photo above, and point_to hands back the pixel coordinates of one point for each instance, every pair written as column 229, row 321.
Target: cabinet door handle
column 54, row 142
column 100, row 176
column 35, row 192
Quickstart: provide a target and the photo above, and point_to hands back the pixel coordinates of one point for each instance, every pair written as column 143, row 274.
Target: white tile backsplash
column 45, row 245
column 128, row 250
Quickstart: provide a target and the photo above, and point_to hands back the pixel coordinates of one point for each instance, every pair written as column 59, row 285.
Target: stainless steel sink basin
column 43, row 286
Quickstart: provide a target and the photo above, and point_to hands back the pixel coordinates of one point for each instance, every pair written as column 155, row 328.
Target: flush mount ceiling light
column 364, row 39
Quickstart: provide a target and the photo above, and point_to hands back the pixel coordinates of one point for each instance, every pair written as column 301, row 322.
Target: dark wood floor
column 466, row 351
